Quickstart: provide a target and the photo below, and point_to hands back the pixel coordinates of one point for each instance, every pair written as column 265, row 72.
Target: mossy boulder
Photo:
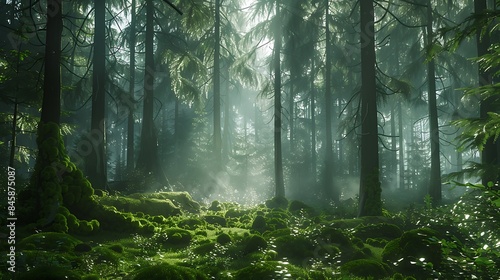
column 49, row 241
column 335, row 236
column 191, row 223
column 382, row 230
column 366, row 268
column 297, row 206
column 135, row 204
column 174, row 236
column 270, row 270
column 259, row 224
column 168, row 271
column 215, row 220
column 413, row 250
column 49, row 273
column 224, row 238
column 255, row 243
column 181, row 200
column 277, row 202
column 216, row 206
column 295, row 248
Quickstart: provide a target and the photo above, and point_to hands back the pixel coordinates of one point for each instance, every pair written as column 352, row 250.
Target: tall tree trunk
column 489, row 155
column 401, row 148
column 147, row 160
column 313, row 126
column 435, row 176
column 96, row 161
column 131, row 90
column 217, row 99
column 328, row 187
column 278, row 157
column 369, row 191
column 51, row 102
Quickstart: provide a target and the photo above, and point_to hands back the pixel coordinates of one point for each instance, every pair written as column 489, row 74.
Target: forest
column 250, row 139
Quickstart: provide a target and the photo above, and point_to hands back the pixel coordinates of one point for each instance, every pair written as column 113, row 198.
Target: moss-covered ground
column 170, row 236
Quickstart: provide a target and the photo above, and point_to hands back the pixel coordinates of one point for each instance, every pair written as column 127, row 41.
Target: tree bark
column 435, row 176
column 96, row 161
column 370, row 191
column 51, row 102
column 328, row 187
column 147, row 160
column 217, row 98
column 278, row 159
column 489, row 155
column 131, row 103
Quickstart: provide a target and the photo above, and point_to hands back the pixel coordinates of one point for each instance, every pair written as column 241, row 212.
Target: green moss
column 117, row 248
column 215, row 206
column 413, row 247
column 382, row 230
column 50, row 273
column 277, row 202
column 259, row 224
column 254, row 243
column 295, row 248
column 366, row 268
column 83, row 247
column 174, row 236
column 335, row 236
column 235, row 213
column 224, row 239
column 192, row 223
column 180, row 200
column 204, row 249
column 298, row 206
column 168, row 271
column 270, row 270
column 50, row 241
column 215, row 220
column 376, row 242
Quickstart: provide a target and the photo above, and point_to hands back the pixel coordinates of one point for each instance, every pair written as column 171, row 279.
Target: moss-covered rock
column 270, row 270
column 181, row 200
column 255, row 243
column 192, row 223
column 49, row 273
column 168, row 271
column 215, row 220
column 366, row 268
column 174, row 236
column 277, row 202
column 224, row 238
column 414, row 251
column 83, row 247
column 259, row 224
column 382, row 230
column 334, row 236
column 135, row 203
column 49, row 241
column 299, row 206
column 295, row 248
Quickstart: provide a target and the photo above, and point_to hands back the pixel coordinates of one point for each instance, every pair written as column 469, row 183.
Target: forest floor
column 278, row 239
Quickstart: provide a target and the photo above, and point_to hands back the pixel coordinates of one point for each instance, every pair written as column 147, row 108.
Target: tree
column 278, row 156
column 51, row 102
column 435, row 176
column 147, row 160
column 328, row 187
column 131, row 107
column 489, row 154
column 369, row 191
column 217, row 95
column 96, row 162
